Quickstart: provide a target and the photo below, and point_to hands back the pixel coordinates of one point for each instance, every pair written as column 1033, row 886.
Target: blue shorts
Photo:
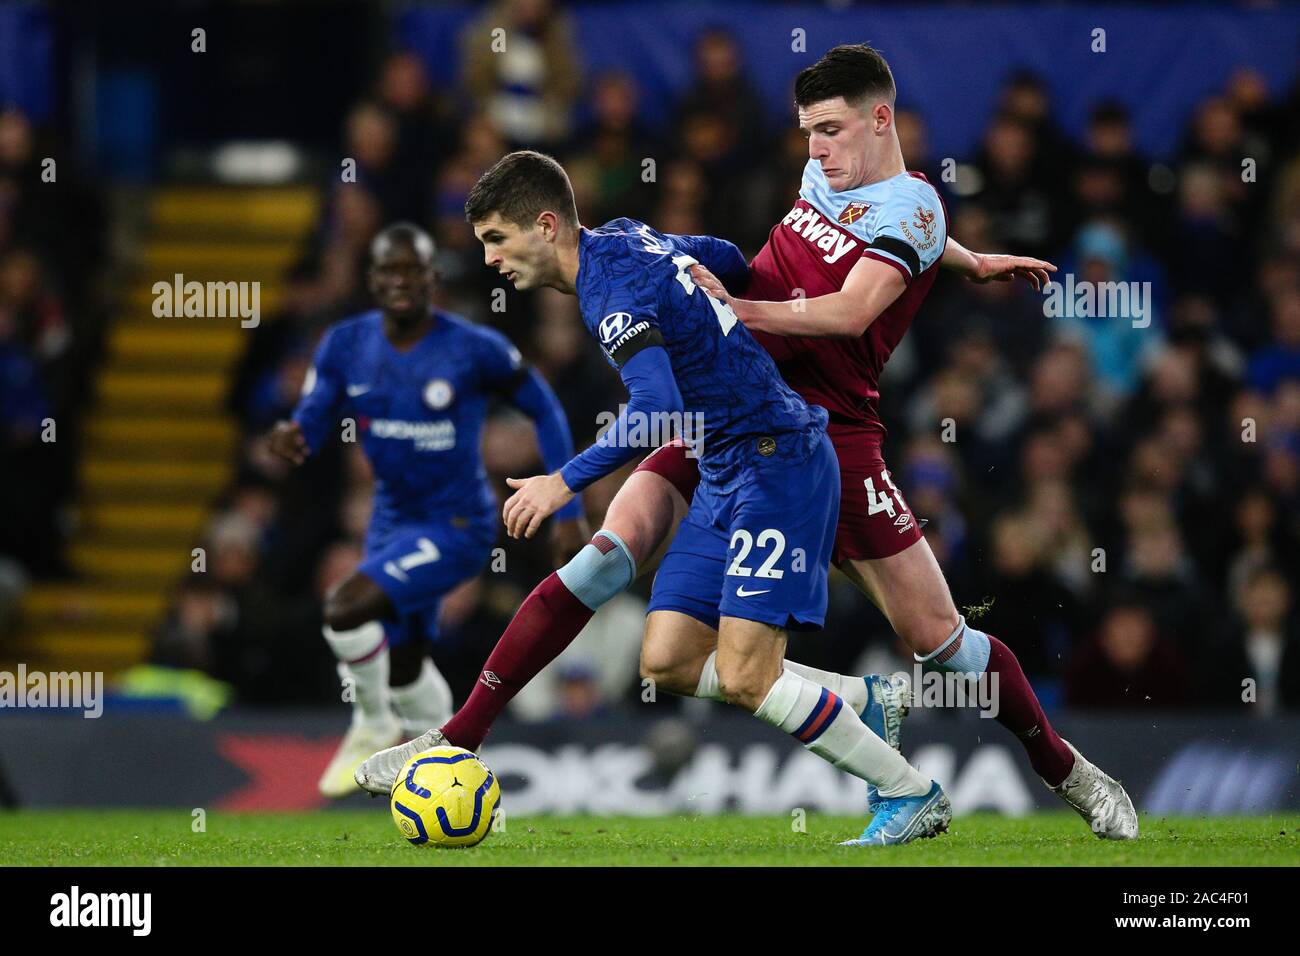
column 759, row 552
column 417, row 564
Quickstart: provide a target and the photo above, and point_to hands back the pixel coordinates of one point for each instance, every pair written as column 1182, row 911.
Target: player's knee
column 600, row 570
column 343, row 612
column 355, row 601
column 666, row 671
column 925, row 632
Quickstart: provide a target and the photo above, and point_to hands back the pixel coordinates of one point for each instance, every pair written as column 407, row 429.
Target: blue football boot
column 904, row 819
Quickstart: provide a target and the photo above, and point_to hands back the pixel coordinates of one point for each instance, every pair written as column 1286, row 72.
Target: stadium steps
column 136, row 437
column 159, row 445
column 144, row 345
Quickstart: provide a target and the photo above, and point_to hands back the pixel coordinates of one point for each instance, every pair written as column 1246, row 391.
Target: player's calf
column 749, row 661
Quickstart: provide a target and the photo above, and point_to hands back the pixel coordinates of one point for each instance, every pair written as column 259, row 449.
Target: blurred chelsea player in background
column 416, row 381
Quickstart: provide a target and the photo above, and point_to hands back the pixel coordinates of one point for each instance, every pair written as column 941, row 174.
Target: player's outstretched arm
column 871, row 287
column 994, row 267
column 652, row 389
column 317, row 410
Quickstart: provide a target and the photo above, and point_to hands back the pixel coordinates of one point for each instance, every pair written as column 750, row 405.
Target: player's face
column 840, row 138
column 402, row 279
column 522, row 255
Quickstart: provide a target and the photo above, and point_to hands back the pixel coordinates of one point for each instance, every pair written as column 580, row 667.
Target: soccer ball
column 445, row 797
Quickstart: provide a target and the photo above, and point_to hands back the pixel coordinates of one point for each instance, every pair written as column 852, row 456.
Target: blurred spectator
column 1259, row 663
column 610, row 154
column 1029, row 608
column 1129, row 666
column 1280, row 360
column 521, row 67
column 1120, row 332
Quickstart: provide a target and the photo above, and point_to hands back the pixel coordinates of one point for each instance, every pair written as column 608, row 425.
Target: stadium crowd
column 1118, row 499
column 52, row 256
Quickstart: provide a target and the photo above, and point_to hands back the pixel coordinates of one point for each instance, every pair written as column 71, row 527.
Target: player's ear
column 882, row 117
column 548, row 223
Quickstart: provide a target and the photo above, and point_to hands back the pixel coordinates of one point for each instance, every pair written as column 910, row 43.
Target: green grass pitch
column 367, row 837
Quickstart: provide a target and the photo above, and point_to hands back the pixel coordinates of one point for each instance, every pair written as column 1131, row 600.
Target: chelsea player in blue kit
column 414, row 383
column 749, row 561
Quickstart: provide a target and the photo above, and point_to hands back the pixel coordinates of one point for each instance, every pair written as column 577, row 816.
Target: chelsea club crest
column 438, row 394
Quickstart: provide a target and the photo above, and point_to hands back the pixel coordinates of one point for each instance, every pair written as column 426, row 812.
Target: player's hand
column 710, row 283
column 567, row 539
column 1001, row 268
column 287, row 442
column 534, row 500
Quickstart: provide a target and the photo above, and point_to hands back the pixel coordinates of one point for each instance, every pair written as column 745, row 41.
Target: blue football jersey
column 419, row 414
column 634, row 291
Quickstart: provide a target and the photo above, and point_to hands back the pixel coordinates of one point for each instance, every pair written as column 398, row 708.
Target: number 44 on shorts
column 878, row 501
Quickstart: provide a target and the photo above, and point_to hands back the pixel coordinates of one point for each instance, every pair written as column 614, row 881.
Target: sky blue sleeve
column 536, row 399
column 651, row 388
column 912, row 230
column 322, row 396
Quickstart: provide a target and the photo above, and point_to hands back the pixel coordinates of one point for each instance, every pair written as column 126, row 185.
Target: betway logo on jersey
column 813, row 226
column 427, row 436
column 617, row 328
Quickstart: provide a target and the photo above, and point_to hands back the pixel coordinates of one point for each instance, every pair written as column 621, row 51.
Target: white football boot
column 361, row 740
column 379, row 771
column 1099, row 799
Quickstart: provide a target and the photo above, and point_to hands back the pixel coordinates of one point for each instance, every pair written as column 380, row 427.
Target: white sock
column 851, row 690
column 818, row 719
column 362, row 654
column 424, row 703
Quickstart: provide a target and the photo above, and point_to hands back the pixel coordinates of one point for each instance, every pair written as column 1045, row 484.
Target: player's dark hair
column 854, row 71
column 519, row 187
column 406, row 233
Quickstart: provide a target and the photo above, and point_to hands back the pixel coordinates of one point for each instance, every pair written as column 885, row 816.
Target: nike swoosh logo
column 355, row 390
column 741, row 592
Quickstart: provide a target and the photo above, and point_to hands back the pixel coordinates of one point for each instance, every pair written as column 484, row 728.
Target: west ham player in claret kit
column 858, row 251
column 843, row 274
column 416, row 382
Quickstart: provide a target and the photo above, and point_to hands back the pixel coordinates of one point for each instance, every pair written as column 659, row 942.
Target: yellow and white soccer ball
column 445, row 797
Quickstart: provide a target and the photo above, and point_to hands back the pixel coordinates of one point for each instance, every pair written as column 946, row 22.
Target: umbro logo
column 489, row 680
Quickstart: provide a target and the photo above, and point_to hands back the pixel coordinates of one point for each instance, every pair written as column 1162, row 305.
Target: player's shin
column 423, row 703
column 363, row 663
column 362, row 653
column 545, row 624
column 820, row 720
